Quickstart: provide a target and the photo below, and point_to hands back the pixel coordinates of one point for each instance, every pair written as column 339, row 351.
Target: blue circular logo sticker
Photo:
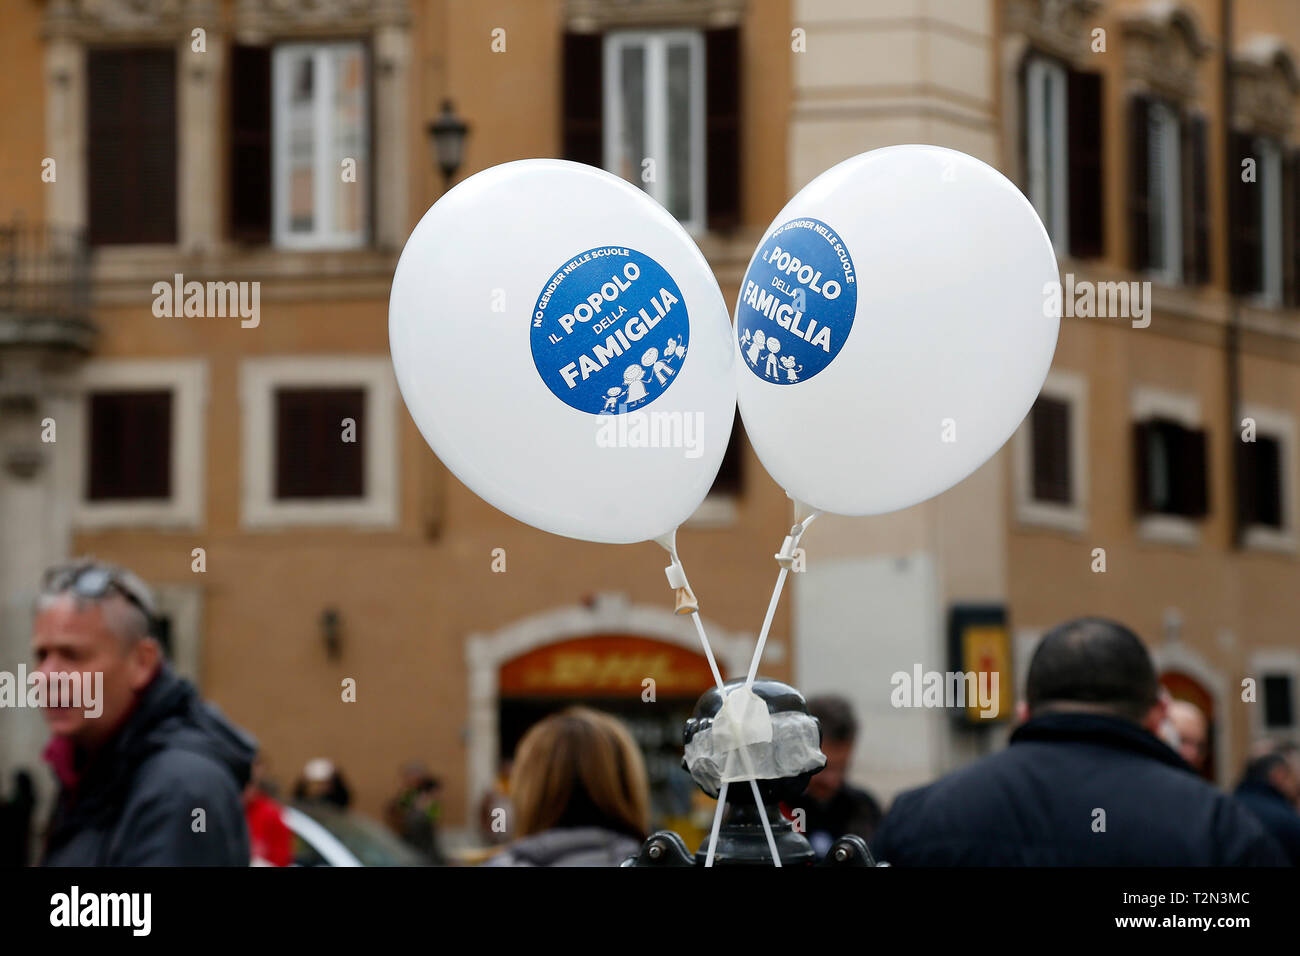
column 609, row 331
column 797, row 303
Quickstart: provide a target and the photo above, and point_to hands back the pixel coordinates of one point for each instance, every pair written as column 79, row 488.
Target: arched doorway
column 1187, row 676
column 598, row 654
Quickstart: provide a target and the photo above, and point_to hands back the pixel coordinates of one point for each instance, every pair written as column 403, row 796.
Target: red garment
column 61, row 754
column 271, row 841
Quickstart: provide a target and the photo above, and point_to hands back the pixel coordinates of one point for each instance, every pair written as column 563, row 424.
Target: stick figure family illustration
column 773, row 367
column 635, row 376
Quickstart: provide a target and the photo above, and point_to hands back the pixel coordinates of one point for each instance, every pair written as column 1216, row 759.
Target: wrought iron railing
column 44, row 285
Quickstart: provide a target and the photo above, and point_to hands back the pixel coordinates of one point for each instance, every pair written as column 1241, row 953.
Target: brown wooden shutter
column 1139, row 202
column 1244, row 214
column 584, row 100
column 1268, row 481
column 722, row 149
column 250, row 144
column 1050, row 431
column 312, row 460
column 1190, row 474
column 1196, row 235
column 129, row 445
column 1022, row 86
column 1085, row 128
column 1142, row 468
column 1247, row 491
column 131, row 145
column 730, row 477
column 1291, row 231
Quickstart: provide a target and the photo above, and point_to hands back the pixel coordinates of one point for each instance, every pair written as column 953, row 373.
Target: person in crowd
column 1269, row 789
column 413, row 814
column 1193, row 732
column 1085, row 781
column 1290, row 750
column 322, row 782
column 580, row 793
column 832, row 806
column 270, row 839
column 132, row 776
column 16, row 821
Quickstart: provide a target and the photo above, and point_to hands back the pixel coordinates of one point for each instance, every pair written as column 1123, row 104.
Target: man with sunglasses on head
column 156, row 778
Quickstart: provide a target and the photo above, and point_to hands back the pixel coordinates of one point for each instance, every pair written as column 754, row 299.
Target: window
column 720, row 506
column 320, row 443
column 673, row 97
column 131, row 145
column 1045, row 91
column 1269, row 196
column 1265, row 480
column 1062, row 137
column 1171, row 469
column 1279, row 705
column 303, row 463
column 1050, row 422
column 1050, row 456
column 1165, row 229
column 138, row 460
column 129, row 440
column 1264, row 217
column 1169, row 227
column 654, row 117
column 320, row 126
column 1262, row 484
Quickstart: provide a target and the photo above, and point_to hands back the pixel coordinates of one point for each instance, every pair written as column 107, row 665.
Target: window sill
column 163, row 515
column 1071, row 519
column 1271, row 540
column 1170, row 530
column 715, row 511
column 350, row 513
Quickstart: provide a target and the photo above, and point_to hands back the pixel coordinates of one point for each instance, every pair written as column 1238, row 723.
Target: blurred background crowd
column 295, row 144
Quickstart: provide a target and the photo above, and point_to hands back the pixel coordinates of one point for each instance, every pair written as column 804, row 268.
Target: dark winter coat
column 135, row 802
column 1074, row 790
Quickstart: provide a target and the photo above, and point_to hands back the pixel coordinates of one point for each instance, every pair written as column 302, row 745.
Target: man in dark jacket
column 833, row 806
column 150, row 776
column 1269, row 790
column 1085, row 782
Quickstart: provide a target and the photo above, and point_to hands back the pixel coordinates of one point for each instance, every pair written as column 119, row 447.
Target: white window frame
column 1049, row 183
column 259, row 379
column 1071, row 388
column 322, row 128
column 1280, row 426
column 655, row 43
column 187, row 380
column 1269, row 662
column 1185, row 408
column 183, row 603
column 1166, row 221
column 1270, row 222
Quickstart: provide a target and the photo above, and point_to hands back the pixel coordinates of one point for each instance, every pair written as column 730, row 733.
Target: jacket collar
column 1107, row 731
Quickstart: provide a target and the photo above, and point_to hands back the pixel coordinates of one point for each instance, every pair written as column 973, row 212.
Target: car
column 325, row 836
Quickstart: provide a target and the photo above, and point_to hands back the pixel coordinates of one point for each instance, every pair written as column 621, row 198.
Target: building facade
column 155, row 145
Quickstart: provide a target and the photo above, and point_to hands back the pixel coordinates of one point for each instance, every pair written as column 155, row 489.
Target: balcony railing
column 44, row 287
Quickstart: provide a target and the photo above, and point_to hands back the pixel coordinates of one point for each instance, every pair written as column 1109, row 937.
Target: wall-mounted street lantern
column 448, row 133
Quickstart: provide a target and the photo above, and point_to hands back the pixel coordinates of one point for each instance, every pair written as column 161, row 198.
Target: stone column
column 65, row 131
column 392, row 129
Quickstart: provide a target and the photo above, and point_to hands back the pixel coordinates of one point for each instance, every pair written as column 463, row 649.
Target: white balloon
column 906, row 290
column 524, row 313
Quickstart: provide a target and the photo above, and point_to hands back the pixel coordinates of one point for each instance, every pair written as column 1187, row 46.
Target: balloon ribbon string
column 795, row 534
column 722, row 795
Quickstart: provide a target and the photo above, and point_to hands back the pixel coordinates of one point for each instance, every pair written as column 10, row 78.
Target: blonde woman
column 579, row 791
